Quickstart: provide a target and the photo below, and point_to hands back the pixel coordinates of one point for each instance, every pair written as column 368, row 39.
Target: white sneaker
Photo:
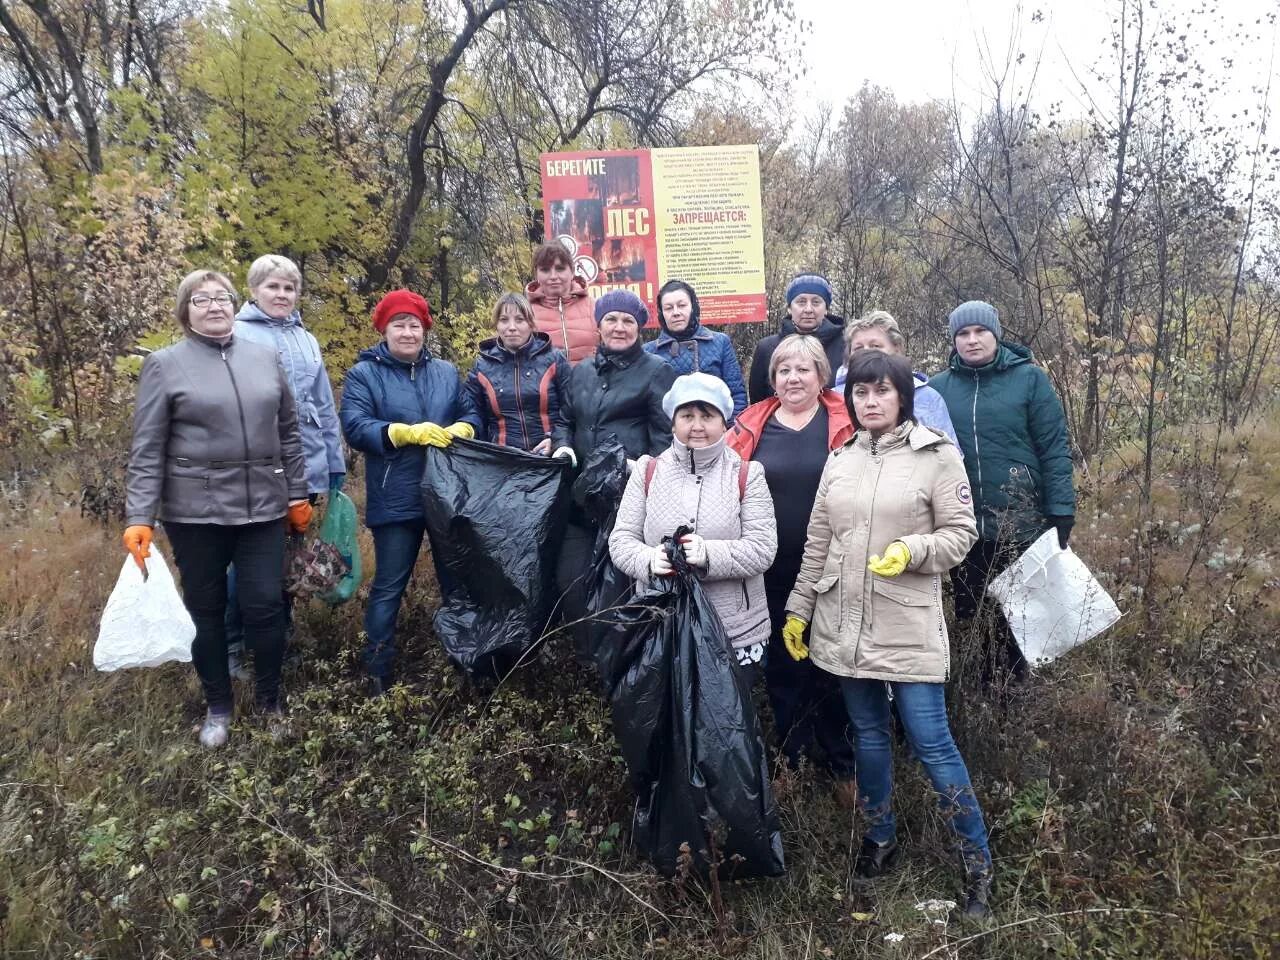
column 215, row 729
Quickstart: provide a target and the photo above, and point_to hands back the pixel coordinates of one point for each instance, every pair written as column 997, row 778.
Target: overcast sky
column 916, row 47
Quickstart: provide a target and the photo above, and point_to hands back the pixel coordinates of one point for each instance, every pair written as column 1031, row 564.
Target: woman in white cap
column 698, row 482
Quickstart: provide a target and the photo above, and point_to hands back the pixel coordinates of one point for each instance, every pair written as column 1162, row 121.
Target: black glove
column 1063, row 525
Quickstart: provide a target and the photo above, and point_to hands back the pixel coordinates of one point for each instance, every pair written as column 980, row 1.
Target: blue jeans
column 923, row 710
column 395, row 551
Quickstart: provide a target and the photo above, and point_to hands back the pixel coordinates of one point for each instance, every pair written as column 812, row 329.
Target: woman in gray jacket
column 217, row 457
column 700, row 483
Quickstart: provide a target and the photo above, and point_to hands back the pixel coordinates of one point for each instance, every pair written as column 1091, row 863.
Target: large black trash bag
column 599, row 490
column 684, row 719
column 496, row 515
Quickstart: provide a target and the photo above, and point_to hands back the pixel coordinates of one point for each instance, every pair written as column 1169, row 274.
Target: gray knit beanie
column 974, row 313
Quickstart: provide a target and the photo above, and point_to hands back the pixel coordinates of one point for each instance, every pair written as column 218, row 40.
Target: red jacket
column 569, row 321
column 750, row 423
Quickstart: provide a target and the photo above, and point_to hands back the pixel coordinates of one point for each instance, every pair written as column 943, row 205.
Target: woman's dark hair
column 549, row 255
column 702, row 407
column 671, row 286
column 872, row 366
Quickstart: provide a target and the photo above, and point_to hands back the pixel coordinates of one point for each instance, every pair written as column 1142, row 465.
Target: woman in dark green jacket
column 1010, row 425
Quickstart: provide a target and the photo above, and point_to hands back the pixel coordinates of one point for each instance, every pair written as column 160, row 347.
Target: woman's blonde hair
column 182, row 309
column 805, row 346
column 512, row 300
column 875, row 320
column 265, row 266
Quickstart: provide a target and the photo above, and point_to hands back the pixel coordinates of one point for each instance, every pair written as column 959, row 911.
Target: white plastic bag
column 144, row 623
column 1051, row 600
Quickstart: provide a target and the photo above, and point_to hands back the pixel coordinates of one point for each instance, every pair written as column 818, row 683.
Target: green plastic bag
column 340, row 528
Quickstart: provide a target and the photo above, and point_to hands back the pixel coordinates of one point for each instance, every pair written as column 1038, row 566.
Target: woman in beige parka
column 698, row 482
column 877, row 621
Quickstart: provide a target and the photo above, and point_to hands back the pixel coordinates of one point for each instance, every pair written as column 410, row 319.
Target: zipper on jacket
column 564, row 328
column 244, row 433
column 977, row 454
column 746, row 597
column 524, row 430
column 385, row 474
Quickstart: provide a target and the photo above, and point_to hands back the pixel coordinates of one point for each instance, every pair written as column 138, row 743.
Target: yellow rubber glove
column 462, row 429
column 895, row 560
column 431, row 435
column 793, row 637
column 400, row 434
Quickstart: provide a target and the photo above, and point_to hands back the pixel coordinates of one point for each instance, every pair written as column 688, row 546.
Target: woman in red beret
column 396, row 402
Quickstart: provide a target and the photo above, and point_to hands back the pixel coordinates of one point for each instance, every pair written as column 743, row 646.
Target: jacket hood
column 695, row 313
column 830, row 328
column 1007, row 355
column 381, row 353
column 252, row 313
column 907, row 433
column 577, row 290
column 494, row 350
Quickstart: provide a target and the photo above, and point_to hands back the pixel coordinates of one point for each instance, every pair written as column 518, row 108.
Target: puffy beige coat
column 909, row 486
column 700, row 489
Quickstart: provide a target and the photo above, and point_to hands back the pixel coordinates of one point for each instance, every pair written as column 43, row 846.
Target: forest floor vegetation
column 1132, row 787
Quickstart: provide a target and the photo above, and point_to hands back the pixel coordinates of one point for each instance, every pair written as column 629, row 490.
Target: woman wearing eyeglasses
column 217, row 457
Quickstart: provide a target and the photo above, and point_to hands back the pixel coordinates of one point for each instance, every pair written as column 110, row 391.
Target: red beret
column 397, row 302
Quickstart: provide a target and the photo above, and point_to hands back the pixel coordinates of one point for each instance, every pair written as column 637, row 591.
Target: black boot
column 977, row 897
column 381, row 683
column 875, row 859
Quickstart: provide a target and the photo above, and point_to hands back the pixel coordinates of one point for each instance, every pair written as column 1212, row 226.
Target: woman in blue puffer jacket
column 519, row 384
column 689, row 347
column 394, row 403
column 271, row 318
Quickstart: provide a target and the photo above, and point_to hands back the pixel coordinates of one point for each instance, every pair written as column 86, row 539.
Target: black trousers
column 202, row 552
column 808, row 708
column 986, row 560
column 573, row 566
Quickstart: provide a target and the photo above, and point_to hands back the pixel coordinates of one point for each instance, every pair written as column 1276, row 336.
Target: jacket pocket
column 269, row 490
column 186, row 491
column 828, row 607
column 902, row 614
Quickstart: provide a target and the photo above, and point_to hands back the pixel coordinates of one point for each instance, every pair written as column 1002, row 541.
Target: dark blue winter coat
column 522, row 397
column 381, row 390
column 707, row 351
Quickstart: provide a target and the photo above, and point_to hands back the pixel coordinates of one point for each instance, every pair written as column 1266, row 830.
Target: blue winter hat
column 809, row 283
column 694, row 387
column 623, row 301
column 973, row 313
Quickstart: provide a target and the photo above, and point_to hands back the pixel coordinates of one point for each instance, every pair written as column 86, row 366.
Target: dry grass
column 1131, row 788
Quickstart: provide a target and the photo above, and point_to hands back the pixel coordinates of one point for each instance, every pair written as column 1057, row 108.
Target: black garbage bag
column 599, row 490
column 496, row 516
column 684, row 719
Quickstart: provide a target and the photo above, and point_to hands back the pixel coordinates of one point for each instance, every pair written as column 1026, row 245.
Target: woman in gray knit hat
column 1011, row 428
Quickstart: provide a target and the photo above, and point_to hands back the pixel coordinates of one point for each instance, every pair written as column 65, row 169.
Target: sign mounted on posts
column 634, row 219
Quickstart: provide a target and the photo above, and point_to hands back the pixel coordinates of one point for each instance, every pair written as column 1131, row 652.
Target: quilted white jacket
column 700, row 489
